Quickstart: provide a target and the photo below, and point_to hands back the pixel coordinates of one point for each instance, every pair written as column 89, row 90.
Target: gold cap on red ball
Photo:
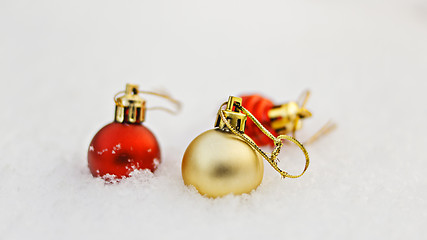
column 130, row 107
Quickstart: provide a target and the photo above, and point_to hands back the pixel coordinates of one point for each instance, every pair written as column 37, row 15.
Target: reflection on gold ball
column 218, row 163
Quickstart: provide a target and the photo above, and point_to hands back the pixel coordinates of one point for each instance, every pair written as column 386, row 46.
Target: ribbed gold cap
column 236, row 119
column 130, row 108
column 285, row 118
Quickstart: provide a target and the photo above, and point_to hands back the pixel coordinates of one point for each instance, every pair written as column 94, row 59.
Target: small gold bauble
column 217, row 163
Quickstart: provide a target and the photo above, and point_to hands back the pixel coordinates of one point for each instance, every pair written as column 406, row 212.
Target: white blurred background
column 61, row 62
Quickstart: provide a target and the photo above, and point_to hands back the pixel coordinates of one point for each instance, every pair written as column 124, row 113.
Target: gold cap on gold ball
column 236, row 119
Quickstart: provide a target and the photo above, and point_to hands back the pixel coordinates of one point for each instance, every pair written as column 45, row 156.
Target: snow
column 364, row 61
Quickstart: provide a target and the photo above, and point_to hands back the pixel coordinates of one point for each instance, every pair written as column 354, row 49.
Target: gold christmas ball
column 217, row 163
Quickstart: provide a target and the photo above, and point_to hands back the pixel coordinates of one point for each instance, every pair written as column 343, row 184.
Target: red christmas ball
column 120, row 148
column 124, row 145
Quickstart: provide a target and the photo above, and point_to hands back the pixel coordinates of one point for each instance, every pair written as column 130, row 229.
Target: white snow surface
column 61, row 62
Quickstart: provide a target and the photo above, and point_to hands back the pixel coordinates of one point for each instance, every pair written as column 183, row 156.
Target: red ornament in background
column 126, row 144
column 278, row 119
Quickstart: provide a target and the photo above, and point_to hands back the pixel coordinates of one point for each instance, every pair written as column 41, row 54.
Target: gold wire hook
column 302, row 101
column 116, row 96
column 303, row 98
column 165, row 96
column 325, row 129
column 272, row 159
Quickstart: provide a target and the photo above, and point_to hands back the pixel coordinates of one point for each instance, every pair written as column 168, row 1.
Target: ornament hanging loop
column 167, row 97
column 272, row 158
column 134, row 91
column 292, row 139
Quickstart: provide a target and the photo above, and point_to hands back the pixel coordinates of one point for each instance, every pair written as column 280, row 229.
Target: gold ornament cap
column 285, row 118
column 130, row 108
column 233, row 115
